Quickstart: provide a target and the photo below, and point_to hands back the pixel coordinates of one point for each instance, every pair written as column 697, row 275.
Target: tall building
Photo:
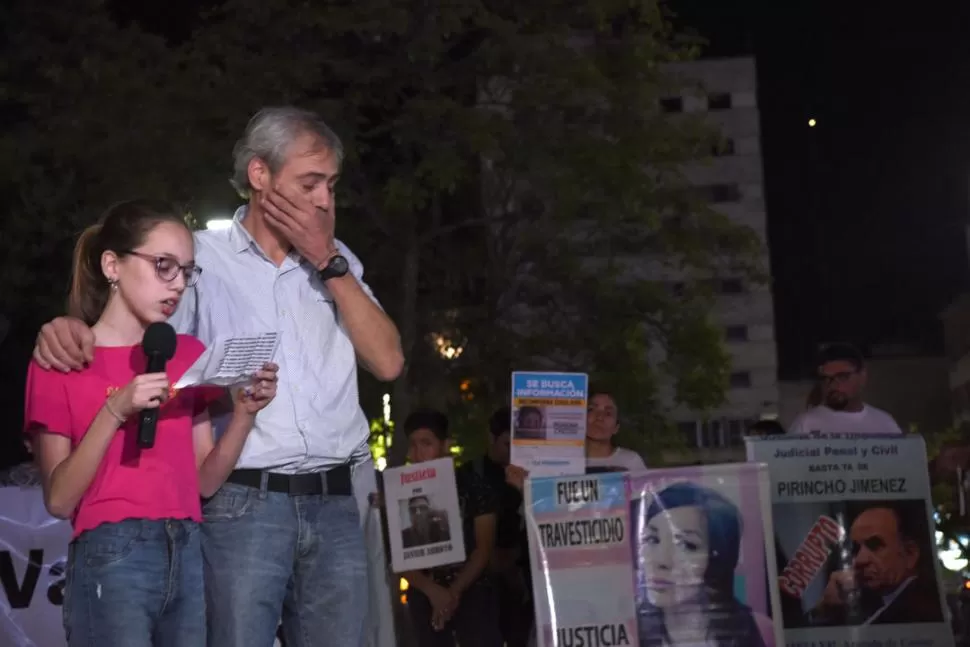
column 733, row 182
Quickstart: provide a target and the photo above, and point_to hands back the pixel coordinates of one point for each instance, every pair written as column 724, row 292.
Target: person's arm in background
column 476, row 563
column 443, row 603
column 516, row 476
column 482, row 507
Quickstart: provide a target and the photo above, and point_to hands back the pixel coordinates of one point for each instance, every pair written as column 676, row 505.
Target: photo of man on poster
column 887, row 575
column 422, row 524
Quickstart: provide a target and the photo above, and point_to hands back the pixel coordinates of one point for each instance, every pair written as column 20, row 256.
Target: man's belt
column 335, row 481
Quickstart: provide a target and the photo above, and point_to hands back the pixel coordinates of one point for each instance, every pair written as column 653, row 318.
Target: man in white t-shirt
column 842, row 378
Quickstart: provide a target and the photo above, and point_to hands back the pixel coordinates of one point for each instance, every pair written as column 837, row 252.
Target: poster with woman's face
column 699, row 553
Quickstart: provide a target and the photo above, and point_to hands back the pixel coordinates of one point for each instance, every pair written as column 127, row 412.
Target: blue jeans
column 136, row 583
column 269, row 554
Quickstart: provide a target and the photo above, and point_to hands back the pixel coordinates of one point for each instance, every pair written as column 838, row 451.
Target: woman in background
column 602, row 423
column 689, row 541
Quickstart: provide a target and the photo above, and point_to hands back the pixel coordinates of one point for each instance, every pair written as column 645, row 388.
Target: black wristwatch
column 337, row 267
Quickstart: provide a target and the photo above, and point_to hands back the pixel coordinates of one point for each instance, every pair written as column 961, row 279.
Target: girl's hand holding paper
column 261, row 390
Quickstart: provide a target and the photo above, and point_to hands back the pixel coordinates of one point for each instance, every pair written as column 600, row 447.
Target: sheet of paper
column 230, row 361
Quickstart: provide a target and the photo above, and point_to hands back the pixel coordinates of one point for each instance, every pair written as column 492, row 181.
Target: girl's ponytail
column 89, row 288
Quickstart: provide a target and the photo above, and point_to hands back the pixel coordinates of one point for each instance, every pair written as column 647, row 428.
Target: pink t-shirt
column 131, row 483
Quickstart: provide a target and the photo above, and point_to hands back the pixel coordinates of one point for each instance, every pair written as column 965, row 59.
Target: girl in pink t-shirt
column 134, row 575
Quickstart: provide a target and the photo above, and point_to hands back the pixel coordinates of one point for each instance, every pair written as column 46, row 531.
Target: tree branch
column 369, row 205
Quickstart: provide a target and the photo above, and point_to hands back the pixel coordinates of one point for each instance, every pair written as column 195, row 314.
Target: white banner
column 33, row 556
column 380, row 616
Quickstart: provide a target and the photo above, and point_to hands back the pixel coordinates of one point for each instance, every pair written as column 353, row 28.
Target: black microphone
column 159, row 346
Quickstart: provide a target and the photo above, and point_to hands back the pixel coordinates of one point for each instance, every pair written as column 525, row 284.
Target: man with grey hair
column 282, row 537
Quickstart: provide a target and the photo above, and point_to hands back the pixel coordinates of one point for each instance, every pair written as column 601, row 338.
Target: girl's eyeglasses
column 167, row 268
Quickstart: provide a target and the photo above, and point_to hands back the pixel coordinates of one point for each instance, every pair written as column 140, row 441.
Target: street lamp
column 447, row 349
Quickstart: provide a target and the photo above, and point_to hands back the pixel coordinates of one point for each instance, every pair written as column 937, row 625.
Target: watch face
column 336, row 268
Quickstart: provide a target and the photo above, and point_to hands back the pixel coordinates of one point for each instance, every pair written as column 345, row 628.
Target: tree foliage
column 510, row 182
column 947, row 451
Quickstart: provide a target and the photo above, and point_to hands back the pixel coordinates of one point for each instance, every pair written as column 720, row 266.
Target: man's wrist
column 327, row 257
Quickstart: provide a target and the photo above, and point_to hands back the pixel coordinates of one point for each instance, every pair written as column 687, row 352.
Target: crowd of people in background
column 498, row 573
column 486, row 601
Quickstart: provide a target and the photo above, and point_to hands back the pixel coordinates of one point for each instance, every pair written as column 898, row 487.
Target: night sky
column 866, row 211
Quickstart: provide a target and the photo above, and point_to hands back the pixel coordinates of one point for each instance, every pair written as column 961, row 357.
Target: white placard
column 840, row 504
column 423, row 515
column 549, row 422
column 230, row 361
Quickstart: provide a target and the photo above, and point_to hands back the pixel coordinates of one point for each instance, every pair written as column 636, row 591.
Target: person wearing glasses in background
column 841, row 374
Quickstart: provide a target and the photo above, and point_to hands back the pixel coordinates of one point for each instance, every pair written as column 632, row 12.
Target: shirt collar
column 239, row 238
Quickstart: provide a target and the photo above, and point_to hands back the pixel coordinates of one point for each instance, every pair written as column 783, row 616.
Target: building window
column 736, row 333
column 719, row 193
column 731, row 286
column 723, row 148
column 688, row 429
column 672, row 104
column 711, row 434
column 740, row 380
column 719, row 101
column 735, row 432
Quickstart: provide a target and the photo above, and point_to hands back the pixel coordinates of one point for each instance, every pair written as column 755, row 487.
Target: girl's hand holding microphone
column 146, row 391
column 254, row 397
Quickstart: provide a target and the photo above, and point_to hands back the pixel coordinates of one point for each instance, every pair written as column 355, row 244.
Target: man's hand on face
column 309, row 230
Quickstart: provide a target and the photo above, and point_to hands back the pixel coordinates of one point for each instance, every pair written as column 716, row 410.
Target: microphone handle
column 146, row 428
column 148, row 419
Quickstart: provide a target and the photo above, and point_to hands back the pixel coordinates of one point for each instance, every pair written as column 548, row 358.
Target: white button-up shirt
column 315, row 421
